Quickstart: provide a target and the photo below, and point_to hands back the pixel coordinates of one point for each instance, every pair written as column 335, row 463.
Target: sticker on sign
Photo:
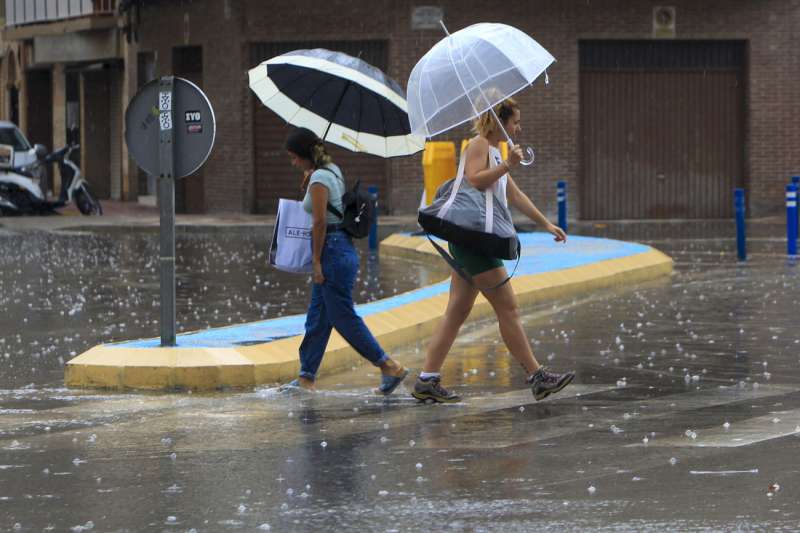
column 166, row 120
column 165, row 101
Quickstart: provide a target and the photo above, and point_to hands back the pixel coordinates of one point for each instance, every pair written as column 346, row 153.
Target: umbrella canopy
column 467, row 73
column 342, row 99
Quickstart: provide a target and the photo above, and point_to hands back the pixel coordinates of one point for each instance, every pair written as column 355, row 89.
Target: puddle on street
column 658, row 362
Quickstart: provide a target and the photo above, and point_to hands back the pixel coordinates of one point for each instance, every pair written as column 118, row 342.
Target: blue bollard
column 741, row 236
column 791, row 220
column 373, row 229
column 561, row 197
column 796, row 183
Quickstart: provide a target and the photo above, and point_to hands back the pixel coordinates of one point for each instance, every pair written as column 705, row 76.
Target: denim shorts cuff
column 307, row 375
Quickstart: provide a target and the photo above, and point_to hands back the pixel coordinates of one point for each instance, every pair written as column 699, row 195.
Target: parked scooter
column 20, row 192
column 73, row 186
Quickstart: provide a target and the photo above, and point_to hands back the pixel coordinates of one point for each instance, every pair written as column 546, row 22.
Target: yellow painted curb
column 107, row 366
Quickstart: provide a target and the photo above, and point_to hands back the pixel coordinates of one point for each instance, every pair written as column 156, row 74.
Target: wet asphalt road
column 638, row 443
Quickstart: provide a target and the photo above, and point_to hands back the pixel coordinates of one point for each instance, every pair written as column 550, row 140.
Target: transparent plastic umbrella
column 469, row 72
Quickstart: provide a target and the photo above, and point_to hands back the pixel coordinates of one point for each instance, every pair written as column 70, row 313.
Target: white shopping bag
column 290, row 249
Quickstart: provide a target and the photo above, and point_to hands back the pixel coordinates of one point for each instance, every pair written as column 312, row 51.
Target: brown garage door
column 662, row 128
column 274, row 177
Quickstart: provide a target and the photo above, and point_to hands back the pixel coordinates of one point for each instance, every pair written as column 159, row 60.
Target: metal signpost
column 169, row 129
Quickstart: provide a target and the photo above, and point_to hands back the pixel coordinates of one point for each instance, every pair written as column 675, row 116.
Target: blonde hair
column 486, row 123
column 320, row 156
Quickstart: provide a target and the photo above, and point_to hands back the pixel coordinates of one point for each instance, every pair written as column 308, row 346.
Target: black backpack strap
column 330, row 207
column 335, row 211
column 464, row 274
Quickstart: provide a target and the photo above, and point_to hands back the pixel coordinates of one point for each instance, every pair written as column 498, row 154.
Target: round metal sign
column 192, row 120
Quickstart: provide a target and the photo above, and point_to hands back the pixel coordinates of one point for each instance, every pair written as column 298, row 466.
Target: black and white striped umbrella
column 344, row 100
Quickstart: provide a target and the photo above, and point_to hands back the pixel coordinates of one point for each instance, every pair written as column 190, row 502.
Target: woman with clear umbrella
column 472, row 75
column 484, row 168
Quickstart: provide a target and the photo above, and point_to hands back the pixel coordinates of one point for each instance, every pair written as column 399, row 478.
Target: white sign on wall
column 426, row 17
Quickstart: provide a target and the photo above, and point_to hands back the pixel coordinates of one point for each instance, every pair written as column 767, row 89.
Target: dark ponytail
column 307, row 145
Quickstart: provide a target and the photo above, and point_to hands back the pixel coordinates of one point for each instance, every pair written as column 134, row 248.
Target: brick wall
column 550, row 113
column 217, row 27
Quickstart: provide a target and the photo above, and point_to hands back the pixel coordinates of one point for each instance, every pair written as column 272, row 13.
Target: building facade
column 653, row 109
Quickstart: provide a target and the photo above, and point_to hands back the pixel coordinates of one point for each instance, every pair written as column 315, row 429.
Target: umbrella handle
column 530, row 159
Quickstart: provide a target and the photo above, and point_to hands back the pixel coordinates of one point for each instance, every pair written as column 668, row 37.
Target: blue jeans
column 332, row 307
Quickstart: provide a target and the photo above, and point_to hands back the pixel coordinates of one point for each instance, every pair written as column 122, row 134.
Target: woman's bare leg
column 504, row 302
column 459, row 305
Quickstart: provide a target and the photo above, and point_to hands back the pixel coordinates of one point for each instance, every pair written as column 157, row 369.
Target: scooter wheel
column 87, row 205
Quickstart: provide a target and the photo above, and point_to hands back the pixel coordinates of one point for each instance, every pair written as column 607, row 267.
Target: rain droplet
column 673, row 461
column 383, row 492
column 418, row 466
column 591, row 489
column 323, row 444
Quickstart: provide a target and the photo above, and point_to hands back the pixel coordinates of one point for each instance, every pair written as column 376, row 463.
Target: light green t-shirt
column 335, row 186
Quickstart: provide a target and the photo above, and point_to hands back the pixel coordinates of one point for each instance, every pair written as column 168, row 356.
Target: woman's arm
column 475, row 169
column 520, row 200
column 319, row 209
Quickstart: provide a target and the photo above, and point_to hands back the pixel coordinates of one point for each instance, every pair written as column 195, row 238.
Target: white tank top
column 499, row 186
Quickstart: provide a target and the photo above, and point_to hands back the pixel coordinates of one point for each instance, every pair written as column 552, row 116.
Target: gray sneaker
column 544, row 383
column 431, row 390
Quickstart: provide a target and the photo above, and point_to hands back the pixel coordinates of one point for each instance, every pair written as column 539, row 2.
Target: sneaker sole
column 567, row 380
column 424, row 397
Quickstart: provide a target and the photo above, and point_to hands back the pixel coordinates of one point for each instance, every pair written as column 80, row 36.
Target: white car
column 24, row 153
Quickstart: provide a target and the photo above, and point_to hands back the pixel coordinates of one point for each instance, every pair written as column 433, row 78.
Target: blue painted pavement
column 539, row 254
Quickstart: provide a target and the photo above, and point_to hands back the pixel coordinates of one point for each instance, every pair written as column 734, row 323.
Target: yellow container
column 503, row 148
column 438, row 166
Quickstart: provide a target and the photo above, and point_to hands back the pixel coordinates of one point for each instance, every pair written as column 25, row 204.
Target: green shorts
column 472, row 262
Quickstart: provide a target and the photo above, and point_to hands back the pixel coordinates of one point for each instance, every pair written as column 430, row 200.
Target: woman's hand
column 319, row 279
column 558, row 233
column 514, row 157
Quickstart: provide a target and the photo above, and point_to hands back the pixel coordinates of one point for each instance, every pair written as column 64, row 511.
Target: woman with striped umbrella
column 336, row 98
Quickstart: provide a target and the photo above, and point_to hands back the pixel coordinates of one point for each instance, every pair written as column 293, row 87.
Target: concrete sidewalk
column 266, row 352
column 134, row 215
